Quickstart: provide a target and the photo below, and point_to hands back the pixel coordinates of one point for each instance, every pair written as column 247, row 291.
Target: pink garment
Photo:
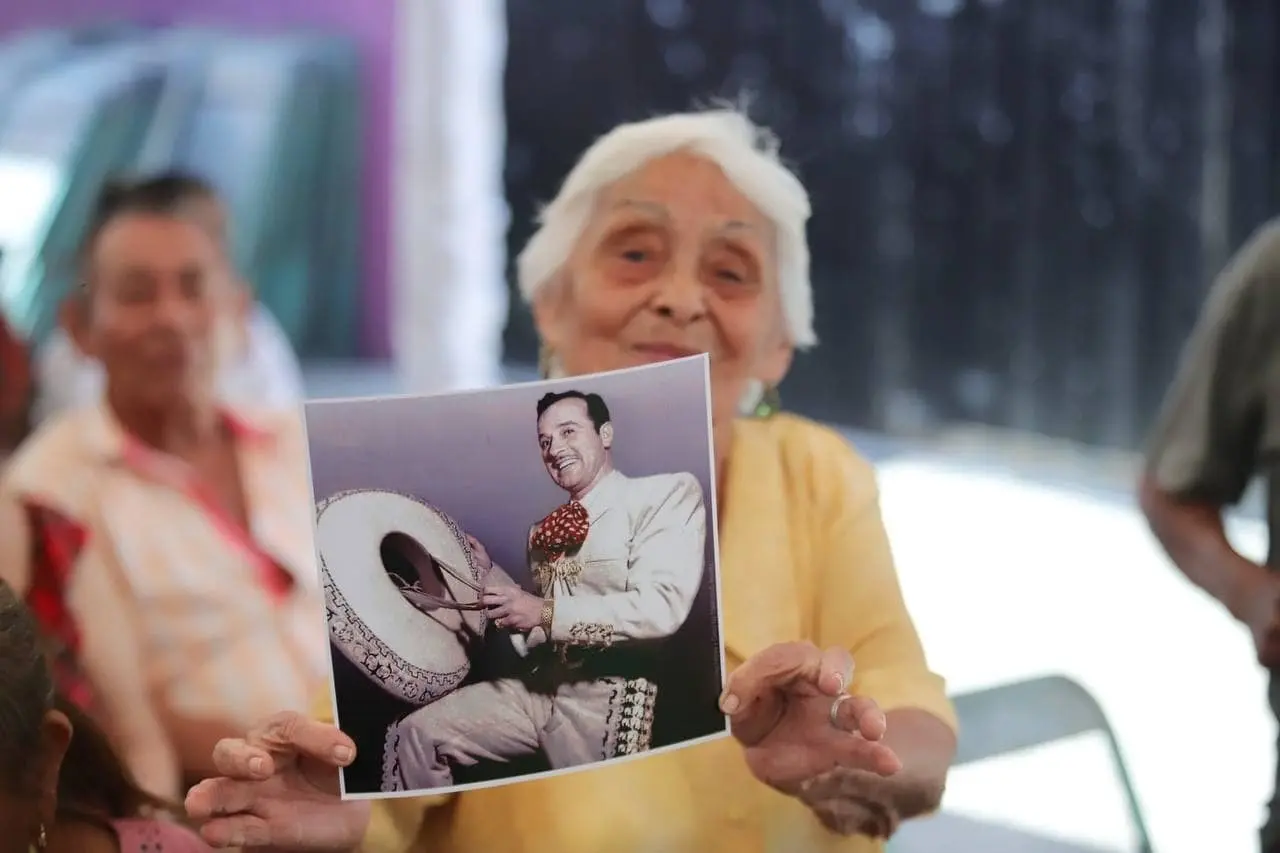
column 140, row 835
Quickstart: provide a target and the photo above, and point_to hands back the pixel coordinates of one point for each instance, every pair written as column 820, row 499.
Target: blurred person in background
column 63, row 789
column 671, row 237
column 258, row 365
column 162, row 536
column 1219, row 429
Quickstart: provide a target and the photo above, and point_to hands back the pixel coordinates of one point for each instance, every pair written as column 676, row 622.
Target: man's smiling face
column 574, row 450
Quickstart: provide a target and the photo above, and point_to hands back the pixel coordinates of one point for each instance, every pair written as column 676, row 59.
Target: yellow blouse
column 804, row 555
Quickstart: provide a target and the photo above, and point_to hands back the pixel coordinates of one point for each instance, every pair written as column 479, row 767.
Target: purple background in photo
column 475, row 456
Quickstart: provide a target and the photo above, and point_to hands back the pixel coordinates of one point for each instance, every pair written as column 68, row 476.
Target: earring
column 759, row 400
column 545, row 357
column 770, row 403
column 42, row 841
column 548, row 364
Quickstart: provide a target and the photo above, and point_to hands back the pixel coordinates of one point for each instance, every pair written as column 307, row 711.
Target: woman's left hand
column 788, row 708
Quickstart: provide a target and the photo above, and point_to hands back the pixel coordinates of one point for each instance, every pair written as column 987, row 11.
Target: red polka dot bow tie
column 562, row 531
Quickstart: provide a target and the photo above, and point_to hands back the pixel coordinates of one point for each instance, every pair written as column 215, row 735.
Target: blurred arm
column 113, row 659
column 1204, row 449
column 110, row 653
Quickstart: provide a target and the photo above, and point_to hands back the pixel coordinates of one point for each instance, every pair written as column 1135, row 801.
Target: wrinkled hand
column 512, row 608
column 1263, row 620
column 852, row 802
column 779, row 705
column 279, row 789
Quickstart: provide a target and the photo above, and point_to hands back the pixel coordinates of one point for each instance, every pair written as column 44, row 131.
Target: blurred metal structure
column 273, row 122
column 64, row 133
column 1010, row 718
column 26, row 55
column 272, row 125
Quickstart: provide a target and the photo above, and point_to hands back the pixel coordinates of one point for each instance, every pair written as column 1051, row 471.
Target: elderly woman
column 163, row 537
column 673, row 236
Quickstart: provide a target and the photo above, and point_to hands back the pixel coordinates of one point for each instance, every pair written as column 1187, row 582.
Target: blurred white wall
column 1010, row 578
column 449, row 297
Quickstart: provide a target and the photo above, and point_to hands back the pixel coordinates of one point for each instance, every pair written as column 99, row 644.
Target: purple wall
column 371, row 23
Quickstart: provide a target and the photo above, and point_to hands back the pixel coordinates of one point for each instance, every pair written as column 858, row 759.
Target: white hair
column 747, row 154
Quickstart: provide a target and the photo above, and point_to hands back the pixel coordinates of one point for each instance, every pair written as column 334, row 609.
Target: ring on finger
column 834, row 714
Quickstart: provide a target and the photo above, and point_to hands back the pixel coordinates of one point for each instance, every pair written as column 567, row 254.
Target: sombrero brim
column 406, row 652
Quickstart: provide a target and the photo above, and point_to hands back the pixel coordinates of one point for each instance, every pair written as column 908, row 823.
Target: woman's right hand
column 279, row 789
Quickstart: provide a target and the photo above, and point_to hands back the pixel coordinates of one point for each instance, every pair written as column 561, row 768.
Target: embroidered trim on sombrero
column 365, row 649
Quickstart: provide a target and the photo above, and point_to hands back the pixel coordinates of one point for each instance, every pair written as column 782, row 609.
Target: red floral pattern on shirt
column 56, row 544
column 562, row 531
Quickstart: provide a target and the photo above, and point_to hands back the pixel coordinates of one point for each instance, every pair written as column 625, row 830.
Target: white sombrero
column 414, row 654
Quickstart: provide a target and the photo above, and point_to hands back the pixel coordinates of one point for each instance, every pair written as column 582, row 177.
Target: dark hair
column 27, row 694
column 164, row 194
column 597, row 409
column 94, row 784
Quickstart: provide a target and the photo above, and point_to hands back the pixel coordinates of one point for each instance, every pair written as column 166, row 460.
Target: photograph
column 519, row 581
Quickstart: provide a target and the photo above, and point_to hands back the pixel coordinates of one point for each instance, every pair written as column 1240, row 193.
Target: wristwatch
column 548, row 615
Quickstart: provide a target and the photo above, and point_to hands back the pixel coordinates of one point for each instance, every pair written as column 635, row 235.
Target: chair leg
column 1130, row 795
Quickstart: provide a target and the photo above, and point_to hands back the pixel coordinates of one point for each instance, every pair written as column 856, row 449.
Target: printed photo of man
column 617, row 568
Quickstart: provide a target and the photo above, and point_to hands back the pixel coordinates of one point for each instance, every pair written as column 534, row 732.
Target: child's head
column 33, row 735
column 54, row 761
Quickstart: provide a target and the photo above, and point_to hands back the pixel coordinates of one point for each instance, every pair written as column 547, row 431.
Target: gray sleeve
column 1206, row 440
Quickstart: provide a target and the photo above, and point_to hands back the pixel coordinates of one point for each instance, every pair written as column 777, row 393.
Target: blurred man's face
column 160, row 299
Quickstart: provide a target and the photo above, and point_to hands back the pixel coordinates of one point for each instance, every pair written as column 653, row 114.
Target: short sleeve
column 57, row 542
column 394, row 825
column 1207, row 436
column 859, row 600
column 41, row 549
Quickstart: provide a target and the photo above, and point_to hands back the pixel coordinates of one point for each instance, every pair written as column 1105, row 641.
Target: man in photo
column 617, row 568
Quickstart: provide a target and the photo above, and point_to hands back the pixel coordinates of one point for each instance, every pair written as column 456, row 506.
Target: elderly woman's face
column 159, row 299
column 675, row 262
